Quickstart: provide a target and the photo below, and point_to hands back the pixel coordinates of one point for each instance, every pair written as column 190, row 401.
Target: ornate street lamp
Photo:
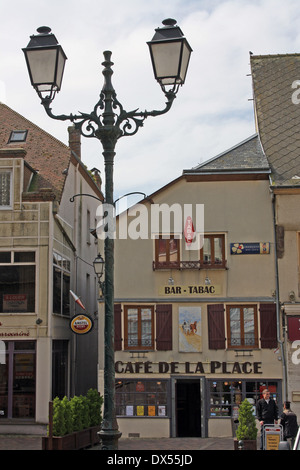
column 98, row 264
column 107, row 122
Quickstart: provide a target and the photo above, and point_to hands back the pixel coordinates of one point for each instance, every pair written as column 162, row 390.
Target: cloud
column 212, row 111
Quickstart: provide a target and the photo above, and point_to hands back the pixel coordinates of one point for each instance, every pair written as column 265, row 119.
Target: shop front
column 187, row 399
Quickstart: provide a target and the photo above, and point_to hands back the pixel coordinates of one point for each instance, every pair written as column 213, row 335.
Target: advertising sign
column 81, row 324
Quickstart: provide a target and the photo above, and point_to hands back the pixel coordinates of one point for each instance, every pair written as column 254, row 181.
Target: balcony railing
column 181, row 265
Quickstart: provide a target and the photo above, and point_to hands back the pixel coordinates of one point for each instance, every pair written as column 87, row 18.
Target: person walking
column 266, row 412
column 288, row 420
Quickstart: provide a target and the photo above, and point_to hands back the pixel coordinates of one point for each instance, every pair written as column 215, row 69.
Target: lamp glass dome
column 99, row 265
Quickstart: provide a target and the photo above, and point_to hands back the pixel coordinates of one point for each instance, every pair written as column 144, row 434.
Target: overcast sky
column 213, row 110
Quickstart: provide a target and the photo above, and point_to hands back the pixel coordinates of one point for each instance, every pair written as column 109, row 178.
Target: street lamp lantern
column 45, row 61
column 108, row 122
column 99, row 266
column 170, row 54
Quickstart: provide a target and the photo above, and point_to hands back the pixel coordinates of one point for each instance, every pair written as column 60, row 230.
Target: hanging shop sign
column 81, row 324
column 195, row 290
column 189, row 231
column 259, row 248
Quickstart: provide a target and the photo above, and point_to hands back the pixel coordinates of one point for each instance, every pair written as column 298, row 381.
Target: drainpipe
column 280, row 342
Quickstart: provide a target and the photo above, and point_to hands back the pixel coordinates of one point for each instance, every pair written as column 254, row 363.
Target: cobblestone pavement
column 22, row 442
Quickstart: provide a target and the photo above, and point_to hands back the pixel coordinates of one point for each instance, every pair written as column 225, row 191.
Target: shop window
column 142, row 398
column 5, row 189
column 139, row 328
column 212, row 254
column 242, row 326
column 17, row 282
column 167, row 253
column 225, row 397
column 61, row 285
column 18, row 380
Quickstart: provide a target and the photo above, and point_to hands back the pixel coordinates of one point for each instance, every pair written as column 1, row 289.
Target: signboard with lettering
column 194, row 290
column 259, row 248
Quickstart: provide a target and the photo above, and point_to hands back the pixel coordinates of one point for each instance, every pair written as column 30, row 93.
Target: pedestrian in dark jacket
column 288, row 420
column 266, row 412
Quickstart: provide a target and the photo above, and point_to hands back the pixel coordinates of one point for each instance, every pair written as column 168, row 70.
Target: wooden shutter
column 164, row 327
column 216, row 326
column 118, row 327
column 268, row 326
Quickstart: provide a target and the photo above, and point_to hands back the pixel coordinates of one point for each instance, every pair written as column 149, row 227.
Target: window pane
column 249, row 336
column 162, row 251
column 146, row 327
column 207, row 251
column 24, row 385
column 24, row 256
column 56, row 290
column 218, row 250
column 66, row 294
column 5, row 187
column 173, row 247
column 5, row 257
column 235, row 327
column 132, row 324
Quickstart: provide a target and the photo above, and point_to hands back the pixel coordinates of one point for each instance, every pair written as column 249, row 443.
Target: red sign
column 293, row 328
column 189, row 230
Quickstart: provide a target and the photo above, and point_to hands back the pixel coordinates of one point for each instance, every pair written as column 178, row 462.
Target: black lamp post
column 108, row 121
column 98, row 264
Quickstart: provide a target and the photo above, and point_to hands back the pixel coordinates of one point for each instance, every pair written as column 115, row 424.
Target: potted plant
column 247, row 430
column 74, row 423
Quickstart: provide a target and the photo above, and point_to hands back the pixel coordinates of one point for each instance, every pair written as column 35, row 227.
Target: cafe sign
column 81, row 324
column 190, row 290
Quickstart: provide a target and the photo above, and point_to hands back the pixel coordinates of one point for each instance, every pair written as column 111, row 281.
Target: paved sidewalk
column 23, row 442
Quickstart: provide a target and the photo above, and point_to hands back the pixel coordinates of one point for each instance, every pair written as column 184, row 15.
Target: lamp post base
column 109, row 439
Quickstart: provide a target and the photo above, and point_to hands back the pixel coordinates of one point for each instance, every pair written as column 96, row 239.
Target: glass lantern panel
column 166, row 58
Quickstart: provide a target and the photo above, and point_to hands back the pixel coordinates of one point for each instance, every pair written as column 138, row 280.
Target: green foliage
column 67, row 415
column 77, row 413
column 95, row 401
column 59, row 427
column 247, row 426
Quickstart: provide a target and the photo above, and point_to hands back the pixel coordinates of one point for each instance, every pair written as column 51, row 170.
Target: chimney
column 75, row 140
column 97, row 177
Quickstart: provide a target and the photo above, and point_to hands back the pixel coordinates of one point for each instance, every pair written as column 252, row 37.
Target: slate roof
column 245, row 157
column 45, row 154
column 278, row 118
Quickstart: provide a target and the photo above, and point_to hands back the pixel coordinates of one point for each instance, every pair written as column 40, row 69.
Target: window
column 142, row 398
column 17, row 136
column 17, row 282
column 5, row 189
column 163, row 326
column 224, row 397
column 242, row 326
column 61, row 285
column 167, row 252
column 212, row 254
column 139, row 325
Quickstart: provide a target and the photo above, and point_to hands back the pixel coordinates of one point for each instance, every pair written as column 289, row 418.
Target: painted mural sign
column 259, row 248
column 189, row 329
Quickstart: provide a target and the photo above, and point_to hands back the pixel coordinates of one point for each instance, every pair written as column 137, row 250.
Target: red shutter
column 268, row 326
column 164, row 327
column 216, row 326
column 118, row 327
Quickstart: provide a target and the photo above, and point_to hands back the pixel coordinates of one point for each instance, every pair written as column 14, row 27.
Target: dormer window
column 17, row 136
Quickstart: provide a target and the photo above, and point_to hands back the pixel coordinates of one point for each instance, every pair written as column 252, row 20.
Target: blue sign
column 250, row 248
